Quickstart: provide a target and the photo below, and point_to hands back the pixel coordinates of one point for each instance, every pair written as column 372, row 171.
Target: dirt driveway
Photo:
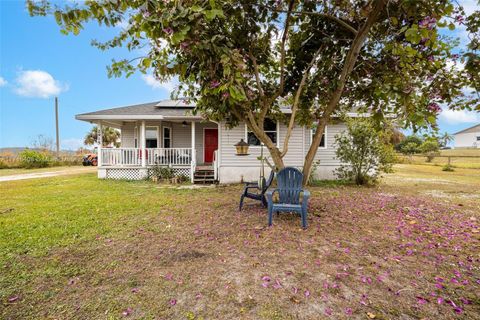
column 47, row 174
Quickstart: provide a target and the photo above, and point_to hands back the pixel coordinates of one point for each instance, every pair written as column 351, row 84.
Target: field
column 82, row 248
column 460, row 158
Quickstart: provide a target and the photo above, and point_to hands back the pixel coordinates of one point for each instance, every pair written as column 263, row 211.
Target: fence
column 472, row 162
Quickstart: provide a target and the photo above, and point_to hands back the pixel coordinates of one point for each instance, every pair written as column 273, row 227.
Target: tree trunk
column 350, row 61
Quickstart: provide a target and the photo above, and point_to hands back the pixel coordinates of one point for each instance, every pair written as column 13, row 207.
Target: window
column 323, row 141
column 151, row 137
column 478, row 138
column 167, row 137
column 270, row 127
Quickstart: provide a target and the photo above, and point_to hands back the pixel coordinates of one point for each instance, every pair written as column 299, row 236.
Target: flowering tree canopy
column 246, row 60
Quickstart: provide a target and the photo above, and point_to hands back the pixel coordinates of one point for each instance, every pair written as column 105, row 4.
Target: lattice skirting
column 139, row 173
column 125, row 173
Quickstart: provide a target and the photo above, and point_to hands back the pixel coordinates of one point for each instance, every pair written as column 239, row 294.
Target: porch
column 188, row 148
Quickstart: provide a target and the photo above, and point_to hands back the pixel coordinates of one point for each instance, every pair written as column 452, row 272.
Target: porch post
column 100, row 144
column 142, row 144
column 194, row 156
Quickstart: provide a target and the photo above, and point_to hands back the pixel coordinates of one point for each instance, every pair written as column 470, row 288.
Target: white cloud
column 71, row 144
column 459, row 116
column 38, row 84
column 155, row 84
column 3, row 82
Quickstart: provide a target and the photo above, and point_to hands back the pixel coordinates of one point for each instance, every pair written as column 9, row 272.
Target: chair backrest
column 289, row 185
column 268, row 183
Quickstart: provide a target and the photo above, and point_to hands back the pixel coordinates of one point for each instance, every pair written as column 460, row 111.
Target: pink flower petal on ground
column 348, row 311
column 440, row 300
column 295, row 290
column 421, row 300
column 265, row 284
column 13, row 299
column 198, row 296
column 71, row 281
column 328, row 311
column 266, row 278
column 135, row 290
column 173, row 302
column 277, row 284
column 465, row 301
column 458, row 310
column 307, row 293
column 439, row 285
column 169, row 276
column 127, row 312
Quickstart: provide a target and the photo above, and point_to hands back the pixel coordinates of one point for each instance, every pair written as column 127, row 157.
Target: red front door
column 210, row 144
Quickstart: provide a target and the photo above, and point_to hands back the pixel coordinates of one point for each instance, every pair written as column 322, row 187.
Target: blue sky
column 37, row 62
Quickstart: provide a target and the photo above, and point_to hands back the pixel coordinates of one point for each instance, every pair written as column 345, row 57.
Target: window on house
column 270, row 127
column 167, row 137
column 151, row 137
column 478, row 138
column 324, row 136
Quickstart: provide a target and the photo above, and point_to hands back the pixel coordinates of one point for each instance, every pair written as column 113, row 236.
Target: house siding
column 235, row 168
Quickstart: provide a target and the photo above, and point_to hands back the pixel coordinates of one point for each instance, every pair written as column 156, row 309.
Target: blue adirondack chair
column 289, row 187
column 258, row 192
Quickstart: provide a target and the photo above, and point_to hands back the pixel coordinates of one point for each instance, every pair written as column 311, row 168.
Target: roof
column 159, row 110
column 164, row 109
column 470, row 129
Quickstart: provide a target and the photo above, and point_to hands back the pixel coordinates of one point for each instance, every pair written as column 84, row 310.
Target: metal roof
column 468, row 129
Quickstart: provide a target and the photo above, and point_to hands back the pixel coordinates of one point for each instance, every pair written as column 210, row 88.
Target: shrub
column 430, row 148
column 34, row 159
column 448, row 167
column 414, row 143
column 363, row 154
column 160, row 172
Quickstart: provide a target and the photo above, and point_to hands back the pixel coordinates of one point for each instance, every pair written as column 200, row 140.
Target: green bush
column 430, row 148
column 34, row 159
column 413, row 143
column 160, row 172
column 448, row 167
column 362, row 153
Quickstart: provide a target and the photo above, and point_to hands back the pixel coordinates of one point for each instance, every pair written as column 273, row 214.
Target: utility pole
column 56, row 126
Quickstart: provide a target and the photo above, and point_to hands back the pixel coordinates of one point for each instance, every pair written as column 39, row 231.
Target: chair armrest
column 251, row 183
column 269, row 195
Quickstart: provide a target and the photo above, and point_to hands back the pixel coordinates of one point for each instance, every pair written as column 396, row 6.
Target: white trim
column 254, row 146
column 135, row 117
column 170, row 138
column 325, row 132
column 218, row 134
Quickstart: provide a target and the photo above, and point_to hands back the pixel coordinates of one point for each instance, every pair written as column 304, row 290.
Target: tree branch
column 296, row 102
column 350, row 61
column 319, row 14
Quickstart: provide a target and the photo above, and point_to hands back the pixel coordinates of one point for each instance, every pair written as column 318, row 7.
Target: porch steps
column 203, row 176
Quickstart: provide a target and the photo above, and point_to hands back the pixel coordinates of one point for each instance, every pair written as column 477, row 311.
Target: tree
column 362, row 152
column 445, row 139
column 246, row 60
column 110, row 136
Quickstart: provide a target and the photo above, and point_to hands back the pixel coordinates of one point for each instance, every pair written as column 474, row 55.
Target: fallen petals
column 13, row 299
column 173, row 302
column 127, row 312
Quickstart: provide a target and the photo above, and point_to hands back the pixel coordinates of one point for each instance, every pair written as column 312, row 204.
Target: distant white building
column 468, row 138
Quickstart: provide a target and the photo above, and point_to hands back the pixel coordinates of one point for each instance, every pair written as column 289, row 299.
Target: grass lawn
column 78, row 247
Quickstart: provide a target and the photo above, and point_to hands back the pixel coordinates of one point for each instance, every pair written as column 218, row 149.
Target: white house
column 166, row 133
column 468, row 138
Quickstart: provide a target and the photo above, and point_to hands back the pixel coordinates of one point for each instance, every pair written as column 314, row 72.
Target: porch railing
column 153, row 156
